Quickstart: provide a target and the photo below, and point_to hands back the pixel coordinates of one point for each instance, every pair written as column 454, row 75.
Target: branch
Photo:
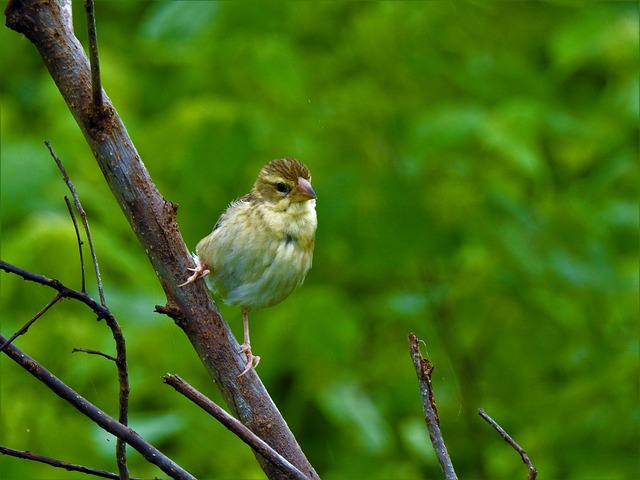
column 96, row 86
column 152, row 454
column 242, row 432
column 22, row 330
column 71, row 467
column 95, row 352
column 79, row 240
column 533, row 473
column 47, row 24
column 99, row 310
column 85, row 223
column 424, row 369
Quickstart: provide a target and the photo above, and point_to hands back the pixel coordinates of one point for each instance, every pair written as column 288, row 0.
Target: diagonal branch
column 533, row 473
column 242, row 432
column 22, row 330
column 96, row 84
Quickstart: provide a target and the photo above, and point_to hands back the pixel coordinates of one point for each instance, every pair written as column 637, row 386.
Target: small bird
column 261, row 248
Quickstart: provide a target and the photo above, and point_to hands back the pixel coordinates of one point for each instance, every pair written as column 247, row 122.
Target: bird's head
column 284, row 181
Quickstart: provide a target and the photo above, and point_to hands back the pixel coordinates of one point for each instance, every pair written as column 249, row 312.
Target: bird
column 261, row 247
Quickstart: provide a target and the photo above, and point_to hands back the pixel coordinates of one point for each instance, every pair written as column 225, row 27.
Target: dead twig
column 533, row 473
column 96, row 84
column 94, row 352
column 22, row 330
column 80, row 242
column 83, row 218
column 424, row 370
column 242, row 432
column 71, row 467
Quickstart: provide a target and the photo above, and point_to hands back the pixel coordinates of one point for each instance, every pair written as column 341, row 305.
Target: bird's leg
column 200, row 271
column 252, row 361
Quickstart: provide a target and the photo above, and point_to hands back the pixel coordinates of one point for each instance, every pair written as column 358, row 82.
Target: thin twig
column 424, row 370
column 83, row 217
column 102, row 419
column 533, row 473
column 96, row 84
column 80, row 242
column 26, row 326
column 27, row 455
column 242, row 432
column 94, row 352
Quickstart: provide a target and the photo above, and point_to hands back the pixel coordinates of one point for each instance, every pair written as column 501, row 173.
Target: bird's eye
column 282, row 188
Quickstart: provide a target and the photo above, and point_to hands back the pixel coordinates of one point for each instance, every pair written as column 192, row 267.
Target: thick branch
column 47, row 24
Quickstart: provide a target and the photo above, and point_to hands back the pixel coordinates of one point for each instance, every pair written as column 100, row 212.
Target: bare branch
column 83, row 217
column 26, row 326
column 75, row 227
column 424, row 369
column 96, row 84
column 533, row 473
column 100, row 310
column 152, row 454
column 71, row 467
column 94, row 352
column 242, row 432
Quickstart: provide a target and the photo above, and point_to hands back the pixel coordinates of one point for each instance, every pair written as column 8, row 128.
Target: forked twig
column 533, row 473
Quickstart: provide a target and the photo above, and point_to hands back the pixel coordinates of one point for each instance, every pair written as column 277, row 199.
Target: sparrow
column 261, row 247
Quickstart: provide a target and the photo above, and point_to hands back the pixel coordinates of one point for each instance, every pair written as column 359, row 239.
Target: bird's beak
column 303, row 191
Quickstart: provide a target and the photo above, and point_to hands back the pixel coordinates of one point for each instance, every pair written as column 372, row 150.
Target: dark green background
column 476, row 165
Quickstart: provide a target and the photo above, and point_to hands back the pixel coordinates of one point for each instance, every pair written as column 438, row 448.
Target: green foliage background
column 476, row 165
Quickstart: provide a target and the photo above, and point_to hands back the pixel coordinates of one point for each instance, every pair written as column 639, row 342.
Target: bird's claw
column 199, row 271
column 252, row 360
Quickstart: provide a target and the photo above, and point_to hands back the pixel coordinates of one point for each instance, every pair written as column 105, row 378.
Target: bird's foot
column 200, row 271
column 252, row 360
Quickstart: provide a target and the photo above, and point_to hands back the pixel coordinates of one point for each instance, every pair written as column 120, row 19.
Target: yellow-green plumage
column 261, row 248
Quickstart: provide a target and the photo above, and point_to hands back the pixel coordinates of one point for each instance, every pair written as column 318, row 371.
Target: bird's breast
column 259, row 256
